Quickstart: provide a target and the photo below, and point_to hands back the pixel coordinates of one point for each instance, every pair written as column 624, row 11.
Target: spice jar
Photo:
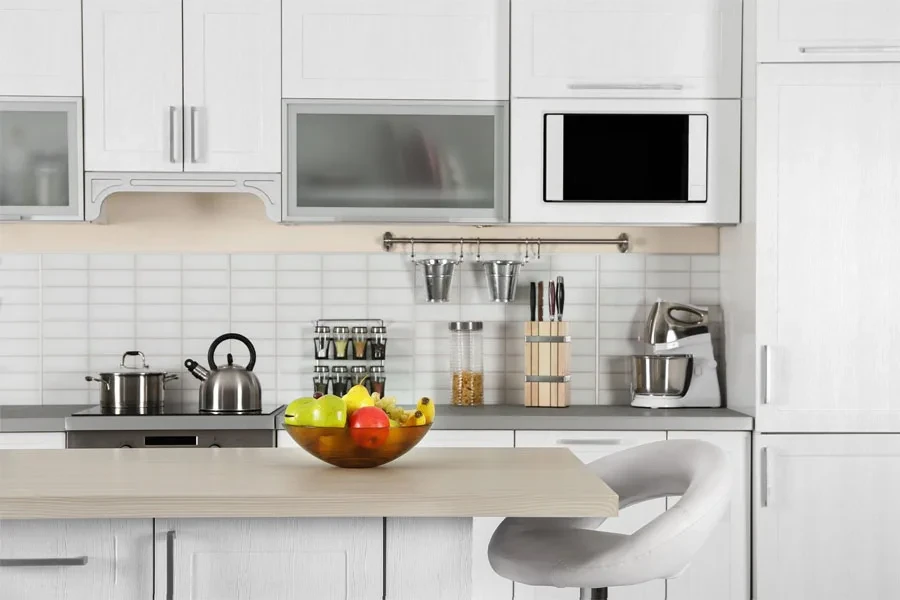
column 320, row 381
column 341, row 341
column 322, row 341
column 466, row 363
column 378, row 342
column 376, row 380
column 340, row 380
column 360, row 335
column 358, row 375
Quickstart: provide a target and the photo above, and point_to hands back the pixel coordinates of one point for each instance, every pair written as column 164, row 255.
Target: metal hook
column 461, row 242
column 412, row 250
column 539, row 249
column 527, row 258
column 478, row 250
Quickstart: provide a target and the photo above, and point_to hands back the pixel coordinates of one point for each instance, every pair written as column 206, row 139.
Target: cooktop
column 189, row 409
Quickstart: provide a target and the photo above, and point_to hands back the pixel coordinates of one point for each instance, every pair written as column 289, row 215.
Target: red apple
column 369, row 427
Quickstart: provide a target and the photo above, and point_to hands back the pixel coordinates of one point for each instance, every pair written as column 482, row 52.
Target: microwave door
column 625, row 158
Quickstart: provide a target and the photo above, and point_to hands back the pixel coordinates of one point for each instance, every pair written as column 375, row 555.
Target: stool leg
column 594, row 594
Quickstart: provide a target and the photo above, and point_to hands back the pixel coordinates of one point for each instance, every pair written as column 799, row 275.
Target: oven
column 626, row 161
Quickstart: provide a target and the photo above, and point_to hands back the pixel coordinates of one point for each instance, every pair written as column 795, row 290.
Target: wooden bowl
column 359, row 448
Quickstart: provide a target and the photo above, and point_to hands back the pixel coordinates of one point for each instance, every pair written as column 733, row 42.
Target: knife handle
column 533, row 301
column 552, row 301
column 540, row 300
column 560, row 298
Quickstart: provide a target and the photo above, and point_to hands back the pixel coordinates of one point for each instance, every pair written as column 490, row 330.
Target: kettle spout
column 196, row 369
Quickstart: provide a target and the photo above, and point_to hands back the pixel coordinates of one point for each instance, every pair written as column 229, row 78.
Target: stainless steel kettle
column 230, row 388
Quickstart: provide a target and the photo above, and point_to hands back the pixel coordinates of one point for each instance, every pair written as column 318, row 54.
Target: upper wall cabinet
column 829, row 31
column 396, row 49
column 222, row 113
column 633, row 48
column 40, row 47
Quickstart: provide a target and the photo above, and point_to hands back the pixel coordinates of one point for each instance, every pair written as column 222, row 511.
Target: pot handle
column 89, row 378
column 144, row 364
column 211, row 358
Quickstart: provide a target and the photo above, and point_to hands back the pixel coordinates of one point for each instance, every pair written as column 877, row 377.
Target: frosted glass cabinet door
column 404, row 161
column 40, row 159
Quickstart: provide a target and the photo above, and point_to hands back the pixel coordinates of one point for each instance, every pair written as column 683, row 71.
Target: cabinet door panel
column 655, row 48
column 827, row 162
column 107, row 559
column 232, row 85
column 275, row 559
column 826, row 522
column 829, row 30
column 40, row 46
column 721, row 569
column 132, row 85
column 590, row 446
column 396, row 49
column 32, row 441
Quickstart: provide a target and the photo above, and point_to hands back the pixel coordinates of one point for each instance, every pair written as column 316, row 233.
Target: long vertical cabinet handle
column 170, row 565
column 765, row 374
column 767, row 476
column 174, row 138
column 195, row 134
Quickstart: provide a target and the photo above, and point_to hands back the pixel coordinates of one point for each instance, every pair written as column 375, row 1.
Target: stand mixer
column 679, row 370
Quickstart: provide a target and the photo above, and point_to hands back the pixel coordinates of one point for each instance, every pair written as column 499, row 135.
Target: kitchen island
column 272, row 524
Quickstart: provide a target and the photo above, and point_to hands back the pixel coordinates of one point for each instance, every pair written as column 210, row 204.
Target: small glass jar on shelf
column 467, row 363
column 340, row 381
column 378, row 342
column 377, row 379
column 360, row 339
column 341, row 335
column 321, row 377
column 322, row 342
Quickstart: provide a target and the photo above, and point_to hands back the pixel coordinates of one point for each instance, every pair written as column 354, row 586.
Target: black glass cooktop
column 171, row 410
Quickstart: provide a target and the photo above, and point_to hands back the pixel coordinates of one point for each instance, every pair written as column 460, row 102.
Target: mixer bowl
column 661, row 374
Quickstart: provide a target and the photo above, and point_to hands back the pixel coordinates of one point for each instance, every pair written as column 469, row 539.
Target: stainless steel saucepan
column 132, row 386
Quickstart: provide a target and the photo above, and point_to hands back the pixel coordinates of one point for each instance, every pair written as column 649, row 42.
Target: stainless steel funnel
column 500, row 277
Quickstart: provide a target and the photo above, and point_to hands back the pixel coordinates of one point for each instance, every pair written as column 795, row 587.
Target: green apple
column 327, row 411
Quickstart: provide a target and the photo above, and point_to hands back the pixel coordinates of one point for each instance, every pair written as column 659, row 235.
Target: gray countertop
column 599, row 418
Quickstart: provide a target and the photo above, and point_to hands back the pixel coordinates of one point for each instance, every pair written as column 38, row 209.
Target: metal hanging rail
column 623, row 242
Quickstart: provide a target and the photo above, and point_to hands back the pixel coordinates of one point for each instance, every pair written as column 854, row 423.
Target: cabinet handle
column 626, row 86
column 13, row 217
column 765, row 375
column 602, row 442
column 173, row 135
column 848, row 49
column 195, row 134
column 767, row 476
column 170, row 565
column 77, row 561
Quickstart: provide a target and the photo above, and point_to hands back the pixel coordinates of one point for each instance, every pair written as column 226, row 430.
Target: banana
column 410, row 421
column 419, row 418
column 426, row 407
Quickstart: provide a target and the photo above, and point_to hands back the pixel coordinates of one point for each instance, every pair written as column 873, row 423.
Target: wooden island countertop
column 270, row 482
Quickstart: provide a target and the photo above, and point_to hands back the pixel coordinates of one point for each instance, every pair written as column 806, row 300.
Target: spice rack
column 361, row 343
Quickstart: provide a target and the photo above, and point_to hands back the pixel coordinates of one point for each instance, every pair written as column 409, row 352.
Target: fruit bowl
column 360, row 447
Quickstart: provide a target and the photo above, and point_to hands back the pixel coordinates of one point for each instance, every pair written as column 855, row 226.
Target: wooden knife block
column 547, row 356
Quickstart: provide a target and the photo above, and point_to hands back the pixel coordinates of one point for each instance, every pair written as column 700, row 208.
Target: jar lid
column 339, row 369
column 358, row 370
column 378, row 329
column 359, row 330
column 320, row 369
column 466, row 326
column 376, row 369
column 341, row 329
column 323, row 329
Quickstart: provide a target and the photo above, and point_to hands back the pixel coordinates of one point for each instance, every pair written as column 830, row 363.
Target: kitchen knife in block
column 544, row 362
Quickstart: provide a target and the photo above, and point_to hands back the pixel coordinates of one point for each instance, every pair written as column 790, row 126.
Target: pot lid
column 127, row 370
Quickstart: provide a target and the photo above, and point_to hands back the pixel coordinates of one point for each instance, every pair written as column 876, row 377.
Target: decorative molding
column 100, row 185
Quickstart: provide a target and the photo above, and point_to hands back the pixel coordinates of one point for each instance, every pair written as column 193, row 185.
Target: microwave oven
column 625, row 161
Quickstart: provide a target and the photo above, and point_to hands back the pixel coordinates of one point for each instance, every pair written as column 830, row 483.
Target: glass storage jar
column 322, row 341
column 320, row 380
column 378, row 342
column 360, row 338
column 467, row 363
column 340, row 381
column 376, row 380
column 341, row 341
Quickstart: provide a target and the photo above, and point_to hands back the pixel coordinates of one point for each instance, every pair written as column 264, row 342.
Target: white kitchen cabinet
column 194, row 88
column 721, row 569
column 232, row 85
column 619, row 48
column 590, row 446
column 76, row 559
column 455, row 552
column 827, row 205
column 55, row 440
column 40, row 47
column 828, row 30
column 826, row 517
column 41, row 159
column 396, row 49
column 275, row 559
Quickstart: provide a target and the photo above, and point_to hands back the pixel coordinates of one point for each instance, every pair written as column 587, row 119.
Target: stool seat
column 572, row 553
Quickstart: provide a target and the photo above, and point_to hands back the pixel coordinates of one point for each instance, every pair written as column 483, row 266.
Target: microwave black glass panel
column 621, row 157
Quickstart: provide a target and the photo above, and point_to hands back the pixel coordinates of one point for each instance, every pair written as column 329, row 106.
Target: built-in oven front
column 626, row 161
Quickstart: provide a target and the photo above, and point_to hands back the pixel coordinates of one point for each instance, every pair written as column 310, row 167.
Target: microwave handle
column 626, row 86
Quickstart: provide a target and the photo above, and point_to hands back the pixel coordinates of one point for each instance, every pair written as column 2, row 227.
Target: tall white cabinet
column 174, row 86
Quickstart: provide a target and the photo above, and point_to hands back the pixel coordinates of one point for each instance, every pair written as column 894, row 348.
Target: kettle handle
column 211, row 358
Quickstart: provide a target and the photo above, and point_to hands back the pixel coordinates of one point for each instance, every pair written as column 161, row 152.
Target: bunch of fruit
column 368, row 416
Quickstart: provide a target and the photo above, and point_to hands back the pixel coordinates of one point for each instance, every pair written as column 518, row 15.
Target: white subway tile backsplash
column 111, row 312
column 622, row 262
column 158, row 329
column 574, row 262
column 158, row 278
column 19, row 347
column 20, row 331
column 253, row 296
column 64, row 261
column 111, row 295
column 333, row 280
column 65, row 329
column 19, row 279
column 206, row 279
column 111, row 261
column 344, row 262
column 620, row 279
column 63, row 278
column 67, row 295
column 204, row 296
column 62, row 346
column 21, row 364
column 668, row 262
column 705, row 262
column 298, row 262
column 253, row 262
column 205, row 262
column 252, row 279
column 304, row 280
column 158, row 312
column 19, row 312
column 158, row 262
column 705, row 281
column 10, row 296
column 64, row 312
column 663, row 279
column 19, row 262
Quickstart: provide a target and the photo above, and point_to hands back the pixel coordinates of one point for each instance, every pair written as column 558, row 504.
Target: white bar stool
column 571, row 553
